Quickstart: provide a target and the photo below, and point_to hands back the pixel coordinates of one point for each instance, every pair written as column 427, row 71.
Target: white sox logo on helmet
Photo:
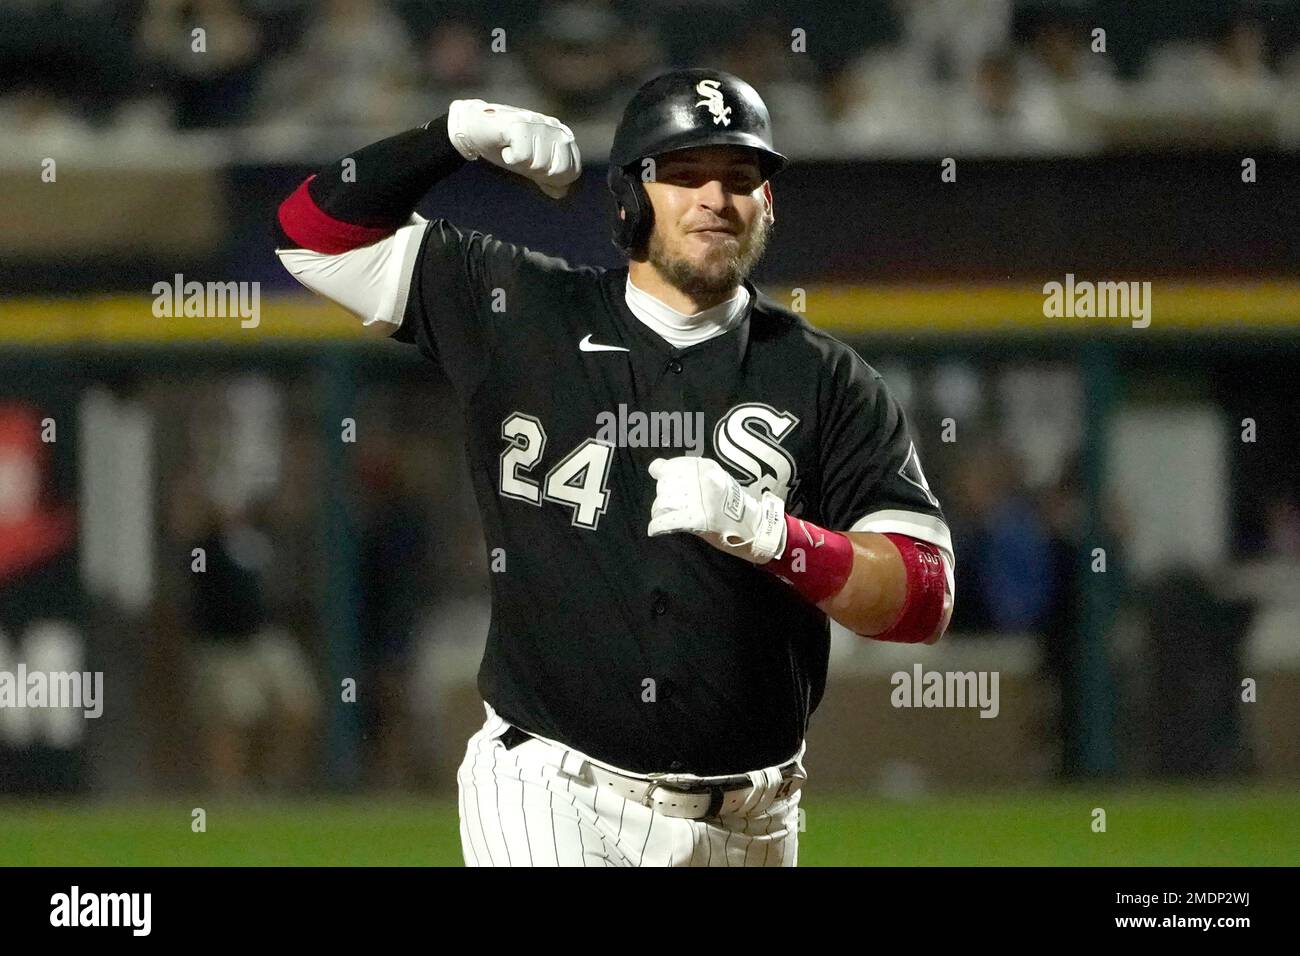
column 709, row 89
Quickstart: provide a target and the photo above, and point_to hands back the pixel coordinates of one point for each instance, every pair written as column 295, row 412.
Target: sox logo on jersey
column 740, row 440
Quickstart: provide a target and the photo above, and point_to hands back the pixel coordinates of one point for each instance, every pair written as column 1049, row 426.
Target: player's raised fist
column 698, row 495
column 538, row 147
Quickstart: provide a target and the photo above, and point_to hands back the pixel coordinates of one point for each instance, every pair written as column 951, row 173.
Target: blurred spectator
column 1002, row 113
column 64, row 57
column 41, row 610
column 1061, row 638
column 455, row 56
column 950, row 40
column 1240, row 65
column 1072, row 538
column 1059, row 59
column 1283, row 529
column 355, row 66
column 879, row 105
column 758, row 50
column 451, row 640
column 256, row 696
column 693, row 29
column 583, row 54
column 33, row 531
column 210, row 75
column 1288, row 107
column 1226, row 77
column 396, row 587
column 892, row 77
column 1003, row 550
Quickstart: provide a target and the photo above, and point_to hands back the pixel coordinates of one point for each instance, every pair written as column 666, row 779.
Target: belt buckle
column 717, row 794
column 645, row 799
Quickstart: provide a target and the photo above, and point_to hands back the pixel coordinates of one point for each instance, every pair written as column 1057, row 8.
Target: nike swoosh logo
column 587, row 345
column 808, row 534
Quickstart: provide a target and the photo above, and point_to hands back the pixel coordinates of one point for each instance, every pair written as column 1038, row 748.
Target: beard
column 723, row 267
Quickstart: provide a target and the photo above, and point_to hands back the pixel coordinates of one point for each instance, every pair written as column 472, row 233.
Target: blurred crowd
column 876, row 77
column 295, row 592
column 396, row 608
column 1012, row 483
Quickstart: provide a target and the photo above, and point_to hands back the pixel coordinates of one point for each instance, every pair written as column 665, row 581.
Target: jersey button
column 675, row 366
column 660, row 603
column 676, row 765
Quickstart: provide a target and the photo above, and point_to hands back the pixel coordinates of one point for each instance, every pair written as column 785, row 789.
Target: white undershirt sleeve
column 371, row 282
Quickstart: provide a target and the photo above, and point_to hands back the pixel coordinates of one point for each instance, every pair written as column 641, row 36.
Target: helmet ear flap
column 631, row 231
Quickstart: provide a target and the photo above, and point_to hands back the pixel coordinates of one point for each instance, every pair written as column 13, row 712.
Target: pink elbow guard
column 928, row 605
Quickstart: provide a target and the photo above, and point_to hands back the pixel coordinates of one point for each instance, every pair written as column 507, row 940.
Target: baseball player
column 683, row 479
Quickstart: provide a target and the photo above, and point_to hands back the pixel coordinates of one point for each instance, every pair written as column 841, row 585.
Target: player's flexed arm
column 891, row 587
column 350, row 232
column 889, row 575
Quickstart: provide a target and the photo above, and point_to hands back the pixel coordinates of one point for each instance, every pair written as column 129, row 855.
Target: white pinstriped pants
column 518, row 808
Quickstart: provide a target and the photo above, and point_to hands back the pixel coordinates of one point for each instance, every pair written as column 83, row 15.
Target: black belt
column 513, row 737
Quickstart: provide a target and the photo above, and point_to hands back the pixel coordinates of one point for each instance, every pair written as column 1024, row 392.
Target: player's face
column 711, row 218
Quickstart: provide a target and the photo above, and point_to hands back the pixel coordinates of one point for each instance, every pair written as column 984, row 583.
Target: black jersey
column 652, row 654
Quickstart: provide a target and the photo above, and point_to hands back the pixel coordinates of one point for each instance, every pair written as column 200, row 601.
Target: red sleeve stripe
column 308, row 225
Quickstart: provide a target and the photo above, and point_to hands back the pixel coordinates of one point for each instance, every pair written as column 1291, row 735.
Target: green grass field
column 1164, row 827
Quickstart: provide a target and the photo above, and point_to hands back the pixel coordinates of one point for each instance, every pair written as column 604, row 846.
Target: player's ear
column 769, row 211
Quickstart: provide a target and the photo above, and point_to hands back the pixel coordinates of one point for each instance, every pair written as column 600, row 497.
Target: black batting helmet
column 678, row 110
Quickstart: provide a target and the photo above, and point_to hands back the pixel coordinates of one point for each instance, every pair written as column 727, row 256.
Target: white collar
column 680, row 329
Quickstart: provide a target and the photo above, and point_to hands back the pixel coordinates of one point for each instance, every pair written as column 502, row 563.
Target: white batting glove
column 538, row 147
column 699, row 496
